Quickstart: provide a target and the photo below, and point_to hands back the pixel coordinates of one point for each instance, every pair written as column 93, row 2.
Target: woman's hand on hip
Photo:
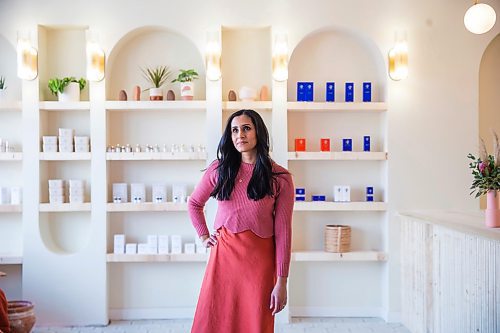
column 209, row 240
column 279, row 296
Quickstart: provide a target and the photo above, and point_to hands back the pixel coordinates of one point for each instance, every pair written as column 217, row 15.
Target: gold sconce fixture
column 398, row 60
column 95, row 58
column 280, row 57
column 27, row 57
column 480, row 18
column 213, row 56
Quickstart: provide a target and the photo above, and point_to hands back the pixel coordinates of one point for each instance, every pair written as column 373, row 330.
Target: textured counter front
column 450, row 269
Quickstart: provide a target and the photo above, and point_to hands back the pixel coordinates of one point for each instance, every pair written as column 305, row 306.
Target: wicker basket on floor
column 337, row 238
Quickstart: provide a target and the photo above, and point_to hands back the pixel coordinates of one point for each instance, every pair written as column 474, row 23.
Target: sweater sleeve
column 199, row 197
column 283, row 210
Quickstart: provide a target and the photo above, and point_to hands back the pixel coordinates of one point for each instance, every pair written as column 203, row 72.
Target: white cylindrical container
column 71, row 93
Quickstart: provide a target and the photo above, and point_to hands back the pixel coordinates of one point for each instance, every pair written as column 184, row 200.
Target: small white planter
column 187, row 90
column 155, row 94
column 3, row 95
column 71, row 93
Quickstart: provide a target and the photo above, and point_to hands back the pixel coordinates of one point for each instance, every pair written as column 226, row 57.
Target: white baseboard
column 309, row 311
column 151, row 313
column 392, row 317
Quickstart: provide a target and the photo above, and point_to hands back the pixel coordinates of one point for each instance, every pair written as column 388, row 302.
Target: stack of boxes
column 49, row 144
column 138, row 192
column 76, row 191
column 82, row 144
column 369, row 193
column 66, row 140
column 157, row 244
column 56, row 191
column 341, row 193
column 300, row 194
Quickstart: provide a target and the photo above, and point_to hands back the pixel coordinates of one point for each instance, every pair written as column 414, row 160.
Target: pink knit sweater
column 265, row 217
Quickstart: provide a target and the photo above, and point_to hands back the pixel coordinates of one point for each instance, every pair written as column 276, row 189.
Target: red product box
column 325, row 144
column 300, row 144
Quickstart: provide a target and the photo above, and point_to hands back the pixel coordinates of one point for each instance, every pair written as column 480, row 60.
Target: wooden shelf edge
column 10, row 259
column 125, row 258
column 64, row 106
column 155, row 105
column 65, row 156
column 303, row 206
column 337, row 106
column 11, row 208
column 65, row 207
column 337, row 156
column 238, row 105
column 5, row 157
column 311, row 256
column 186, row 156
column 147, row 207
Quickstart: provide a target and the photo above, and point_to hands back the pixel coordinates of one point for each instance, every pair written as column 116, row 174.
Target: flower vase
column 492, row 213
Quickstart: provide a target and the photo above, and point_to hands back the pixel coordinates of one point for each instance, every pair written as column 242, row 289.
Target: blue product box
column 346, row 145
column 349, row 92
column 318, row 197
column 366, row 143
column 330, row 91
column 300, row 198
column 367, row 91
column 309, row 97
column 300, row 191
column 369, row 198
column 305, row 91
column 369, row 190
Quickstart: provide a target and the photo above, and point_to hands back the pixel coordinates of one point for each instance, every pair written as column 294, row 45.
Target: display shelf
column 330, row 256
column 10, row 208
column 11, row 156
column 304, row 206
column 11, row 106
column 147, row 207
column 64, row 106
column 156, row 156
column 155, row 105
column 254, row 105
column 65, row 156
column 65, row 207
column 8, row 259
column 337, row 156
column 336, row 106
column 197, row 257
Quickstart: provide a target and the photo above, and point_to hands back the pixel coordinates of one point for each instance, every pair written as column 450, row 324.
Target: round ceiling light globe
column 480, row 18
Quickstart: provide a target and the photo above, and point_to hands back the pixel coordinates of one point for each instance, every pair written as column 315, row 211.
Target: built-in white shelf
column 11, row 156
column 64, row 106
column 347, row 256
column 10, row 259
column 11, row 106
column 254, row 105
column 65, row 156
column 197, row 257
column 155, row 105
column 156, row 156
column 10, row 208
column 337, row 156
column 65, row 207
column 147, row 207
column 303, row 206
column 337, row 106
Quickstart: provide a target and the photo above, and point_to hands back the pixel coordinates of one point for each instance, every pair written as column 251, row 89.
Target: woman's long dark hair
column 261, row 183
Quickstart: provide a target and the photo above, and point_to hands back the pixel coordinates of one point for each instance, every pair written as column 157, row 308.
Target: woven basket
column 337, row 238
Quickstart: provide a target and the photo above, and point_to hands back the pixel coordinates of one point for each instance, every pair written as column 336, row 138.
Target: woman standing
column 246, row 277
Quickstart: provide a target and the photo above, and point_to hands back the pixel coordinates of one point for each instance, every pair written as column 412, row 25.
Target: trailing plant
column 2, row 83
column 57, row 85
column 186, row 75
column 156, row 76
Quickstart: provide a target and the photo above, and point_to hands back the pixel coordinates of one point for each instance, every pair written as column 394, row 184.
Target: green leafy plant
column 186, row 75
column 57, row 85
column 156, row 76
column 486, row 168
column 2, row 83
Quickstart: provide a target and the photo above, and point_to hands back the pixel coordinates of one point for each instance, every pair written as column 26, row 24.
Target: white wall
column 433, row 115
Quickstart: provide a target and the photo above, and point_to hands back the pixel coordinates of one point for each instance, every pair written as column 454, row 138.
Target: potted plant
column 3, row 88
column 157, row 77
column 67, row 89
column 186, row 77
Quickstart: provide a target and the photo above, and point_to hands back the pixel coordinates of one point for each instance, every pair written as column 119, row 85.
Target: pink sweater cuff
column 201, row 230
column 283, row 269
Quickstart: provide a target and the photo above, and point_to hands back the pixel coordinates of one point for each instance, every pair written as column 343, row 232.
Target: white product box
column 56, row 199
column 163, row 244
column 152, row 244
column 338, row 194
column 65, row 140
column 56, row 183
column 15, row 195
column 176, row 244
column 159, row 193
column 119, row 244
column 143, row 248
column 346, row 190
column 76, row 192
column 75, row 183
column 56, row 191
column 65, row 148
column 189, row 248
column 120, row 193
column 49, row 148
column 76, row 198
column 200, row 248
column 179, row 193
column 49, row 140
column 66, row 132
column 137, row 192
column 4, row 195
column 131, row 248
column 82, row 140
column 82, row 148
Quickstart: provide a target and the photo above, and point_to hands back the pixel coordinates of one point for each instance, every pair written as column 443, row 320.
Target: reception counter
column 450, row 272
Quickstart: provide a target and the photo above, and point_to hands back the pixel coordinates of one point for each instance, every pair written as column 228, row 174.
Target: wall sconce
column 27, row 57
column 213, row 55
column 280, row 57
column 479, row 18
column 398, row 60
column 95, row 58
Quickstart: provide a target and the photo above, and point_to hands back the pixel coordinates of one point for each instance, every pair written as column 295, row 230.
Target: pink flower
column 482, row 167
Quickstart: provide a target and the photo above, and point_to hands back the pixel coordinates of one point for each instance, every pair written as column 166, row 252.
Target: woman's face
column 243, row 134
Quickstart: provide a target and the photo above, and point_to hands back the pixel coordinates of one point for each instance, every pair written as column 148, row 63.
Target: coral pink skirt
column 236, row 290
